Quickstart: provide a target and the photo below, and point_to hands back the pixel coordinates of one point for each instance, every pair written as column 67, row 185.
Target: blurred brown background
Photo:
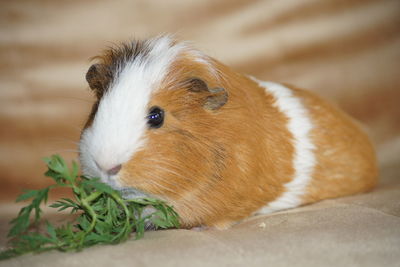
column 346, row 50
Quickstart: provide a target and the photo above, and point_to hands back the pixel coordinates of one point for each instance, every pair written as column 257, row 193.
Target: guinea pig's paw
column 146, row 212
column 132, row 193
column 149, row 226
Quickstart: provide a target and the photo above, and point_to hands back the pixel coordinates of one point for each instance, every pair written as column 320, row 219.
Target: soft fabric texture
column 362, row 230
column 347, row 51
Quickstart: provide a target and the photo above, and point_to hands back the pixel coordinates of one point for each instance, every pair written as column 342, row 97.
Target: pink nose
column 114, row 170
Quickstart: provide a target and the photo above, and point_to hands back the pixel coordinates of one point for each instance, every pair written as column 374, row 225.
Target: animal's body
column 173, row 123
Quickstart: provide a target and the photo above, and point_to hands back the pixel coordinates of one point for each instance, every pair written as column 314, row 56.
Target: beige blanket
column 346, row 50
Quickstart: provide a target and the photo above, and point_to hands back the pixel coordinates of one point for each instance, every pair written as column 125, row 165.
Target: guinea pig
column 172, row 123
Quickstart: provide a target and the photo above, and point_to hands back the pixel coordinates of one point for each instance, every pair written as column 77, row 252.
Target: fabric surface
column 348, row 51
column 362, row 230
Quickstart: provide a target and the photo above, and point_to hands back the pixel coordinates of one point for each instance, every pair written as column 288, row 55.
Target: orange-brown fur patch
column 214, row 167
column 346, row 162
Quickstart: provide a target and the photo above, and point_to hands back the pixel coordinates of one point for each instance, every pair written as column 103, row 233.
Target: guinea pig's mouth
column 91, row 170
column 126, row 192
column 114, row 183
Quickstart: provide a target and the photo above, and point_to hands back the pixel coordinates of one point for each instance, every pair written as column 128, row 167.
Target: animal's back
column 332, row 156
column 345, row 157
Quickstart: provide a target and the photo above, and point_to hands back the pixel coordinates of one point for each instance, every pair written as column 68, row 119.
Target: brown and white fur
column 230, row 145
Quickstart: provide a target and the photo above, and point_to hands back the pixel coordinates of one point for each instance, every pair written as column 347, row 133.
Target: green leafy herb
column 103, row 216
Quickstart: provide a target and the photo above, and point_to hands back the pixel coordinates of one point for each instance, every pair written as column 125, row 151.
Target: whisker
column 159, row 185
column 77, row 98
column 59, row 151
column 60, row 139
column 161, row 162
column 154, row 183
column 173, row 172
column 76, row 128
column 165, row 168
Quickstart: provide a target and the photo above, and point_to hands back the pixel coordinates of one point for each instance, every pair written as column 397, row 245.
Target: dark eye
column 156, row 117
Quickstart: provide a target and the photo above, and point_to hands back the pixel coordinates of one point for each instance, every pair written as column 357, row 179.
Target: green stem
column 86, row 204
column 92, row 214
column 92, row 196
column 121, row 202
column 127, row 214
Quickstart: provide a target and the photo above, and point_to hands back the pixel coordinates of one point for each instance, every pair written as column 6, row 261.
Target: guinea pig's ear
column 216, row 97
column 95, row 79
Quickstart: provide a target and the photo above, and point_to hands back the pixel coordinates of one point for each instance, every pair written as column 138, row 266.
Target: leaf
column 98, row 186
column 8, row 254
column 28, row 194
column 104, row 216
column 75, row 170
column 97, row 238
column 20, row 223
column 36, row 238
column 51, row 231
column 65, row 203
column 83, row 222
column 59, row 167
column 140, row 226
column 56, row 164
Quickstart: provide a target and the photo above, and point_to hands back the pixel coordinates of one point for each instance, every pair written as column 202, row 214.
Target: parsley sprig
column 103, row 215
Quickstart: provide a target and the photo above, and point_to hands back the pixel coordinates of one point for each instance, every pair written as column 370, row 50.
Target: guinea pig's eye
column 155, row 117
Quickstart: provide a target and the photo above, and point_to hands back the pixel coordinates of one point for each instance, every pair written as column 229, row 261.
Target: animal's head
column 155, row 124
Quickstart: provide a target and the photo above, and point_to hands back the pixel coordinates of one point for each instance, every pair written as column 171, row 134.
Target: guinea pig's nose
column 114, row 170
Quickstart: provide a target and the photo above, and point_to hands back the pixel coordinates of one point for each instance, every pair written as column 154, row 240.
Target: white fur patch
column 119, row 126
column 300, row 126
